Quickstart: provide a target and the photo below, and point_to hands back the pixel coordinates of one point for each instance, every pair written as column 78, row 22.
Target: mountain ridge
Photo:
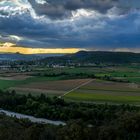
column 97, row 57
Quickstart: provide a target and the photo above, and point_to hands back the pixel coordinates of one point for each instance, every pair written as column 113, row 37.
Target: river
column 31, row 118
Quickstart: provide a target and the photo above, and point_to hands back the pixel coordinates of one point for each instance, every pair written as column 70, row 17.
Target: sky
column 67, row 26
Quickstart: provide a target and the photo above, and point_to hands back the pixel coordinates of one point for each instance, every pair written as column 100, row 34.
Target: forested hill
column 79, row 57
column 97, row 57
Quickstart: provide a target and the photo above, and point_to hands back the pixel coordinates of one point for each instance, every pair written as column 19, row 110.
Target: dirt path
column 77, row 87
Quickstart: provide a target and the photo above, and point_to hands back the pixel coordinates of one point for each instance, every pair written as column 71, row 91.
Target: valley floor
column 118, row 84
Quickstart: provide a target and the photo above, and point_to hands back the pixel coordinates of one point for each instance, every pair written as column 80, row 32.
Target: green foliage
column 84, row 121
column 125, row 127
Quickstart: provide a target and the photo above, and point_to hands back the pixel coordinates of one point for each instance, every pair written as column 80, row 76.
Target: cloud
column 89, row 24
column 58, row 9
column 63, row 8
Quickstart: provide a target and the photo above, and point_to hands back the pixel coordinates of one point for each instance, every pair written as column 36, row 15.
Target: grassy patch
column 134, row 79
column 4, row 84
column 102, row 97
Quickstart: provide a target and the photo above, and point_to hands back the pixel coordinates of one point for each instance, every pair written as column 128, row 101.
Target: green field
column 104, row 91
column 5, row 84
column 130, row 73
column 104, row 98
column 98, row 91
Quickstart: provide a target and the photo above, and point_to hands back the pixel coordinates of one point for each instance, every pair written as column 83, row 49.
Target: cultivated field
column 130, row 73
column 105, row 91
column 63, row 82
column 50, row 88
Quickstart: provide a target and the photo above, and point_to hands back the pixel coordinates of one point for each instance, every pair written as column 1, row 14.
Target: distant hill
column 26, row 57
column 111, row 57
column 97, row 57
column 79, row 57
column 16, row 56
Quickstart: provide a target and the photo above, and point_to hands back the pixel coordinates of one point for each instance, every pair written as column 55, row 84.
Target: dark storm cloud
column 62, row 8
column 102, row 24
column 86, row 32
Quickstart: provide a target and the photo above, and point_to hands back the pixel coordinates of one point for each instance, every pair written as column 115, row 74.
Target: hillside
column 97, row 57
column 79, row 57
column 107, row 57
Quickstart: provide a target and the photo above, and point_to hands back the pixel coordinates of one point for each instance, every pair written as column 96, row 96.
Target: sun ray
column 12, row 48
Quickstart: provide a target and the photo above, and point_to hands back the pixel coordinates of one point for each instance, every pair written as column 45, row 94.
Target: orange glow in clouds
column 11, row 48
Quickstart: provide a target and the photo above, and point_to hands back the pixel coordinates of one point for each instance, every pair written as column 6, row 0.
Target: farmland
column 72, row 82
column 104, row 91
column 51, row 88
column 131, row 73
